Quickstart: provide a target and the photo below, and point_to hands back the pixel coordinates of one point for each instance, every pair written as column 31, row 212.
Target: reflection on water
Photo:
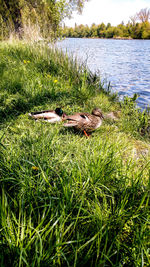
column 125, row 63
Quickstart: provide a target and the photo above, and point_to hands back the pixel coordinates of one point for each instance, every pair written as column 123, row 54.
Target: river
column 123, row 63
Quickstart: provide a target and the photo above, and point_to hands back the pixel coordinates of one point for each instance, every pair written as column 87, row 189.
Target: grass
column 67, row 200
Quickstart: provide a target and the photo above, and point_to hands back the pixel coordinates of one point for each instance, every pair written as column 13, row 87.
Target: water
column 125, row 63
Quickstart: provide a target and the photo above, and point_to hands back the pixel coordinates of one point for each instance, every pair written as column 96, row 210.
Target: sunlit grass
column 68, row 200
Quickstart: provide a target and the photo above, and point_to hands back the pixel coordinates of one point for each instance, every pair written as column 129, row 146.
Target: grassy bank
column 67, row 200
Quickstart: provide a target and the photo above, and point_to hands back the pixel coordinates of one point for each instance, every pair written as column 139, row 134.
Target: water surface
column 125, row 63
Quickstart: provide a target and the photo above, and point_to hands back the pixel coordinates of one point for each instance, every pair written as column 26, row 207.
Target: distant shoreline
column 116, row 38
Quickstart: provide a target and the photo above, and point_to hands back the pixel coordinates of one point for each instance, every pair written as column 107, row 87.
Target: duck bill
column 64, row 116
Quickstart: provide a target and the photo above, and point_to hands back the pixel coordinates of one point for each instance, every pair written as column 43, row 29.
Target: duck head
column 59, row 111
column 97, row 112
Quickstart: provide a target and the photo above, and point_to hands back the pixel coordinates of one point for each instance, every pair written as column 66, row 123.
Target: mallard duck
column 84, row 121
column 48, row 115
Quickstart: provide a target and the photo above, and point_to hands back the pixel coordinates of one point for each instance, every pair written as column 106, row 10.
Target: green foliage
column 67, row 200
column 44, row 17
column 133, row 120
column 146, row 30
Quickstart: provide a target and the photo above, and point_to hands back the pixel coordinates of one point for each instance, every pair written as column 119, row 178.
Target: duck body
column 51, row 116
column 84, row 121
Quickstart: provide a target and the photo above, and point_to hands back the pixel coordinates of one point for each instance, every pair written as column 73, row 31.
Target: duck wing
column 43, row 114
column 42, row 111
column 76, row 119
column 48, row 115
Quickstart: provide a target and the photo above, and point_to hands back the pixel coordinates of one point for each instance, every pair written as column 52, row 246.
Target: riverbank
column 103, row 38
column 68, row 200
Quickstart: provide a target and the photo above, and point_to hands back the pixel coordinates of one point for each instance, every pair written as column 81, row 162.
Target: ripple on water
column 124, row 63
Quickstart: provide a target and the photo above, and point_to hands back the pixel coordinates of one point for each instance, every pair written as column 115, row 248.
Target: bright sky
column 113, row 11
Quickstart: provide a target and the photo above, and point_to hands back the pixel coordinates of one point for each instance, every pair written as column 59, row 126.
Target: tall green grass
column 67, row 200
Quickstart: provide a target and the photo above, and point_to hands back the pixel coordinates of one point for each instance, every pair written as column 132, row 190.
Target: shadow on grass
column 71, row 130
column 19, row 104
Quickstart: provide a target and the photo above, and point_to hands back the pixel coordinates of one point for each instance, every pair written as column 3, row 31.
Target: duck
column 84, row 121
column 51, row 116
column 113, row 115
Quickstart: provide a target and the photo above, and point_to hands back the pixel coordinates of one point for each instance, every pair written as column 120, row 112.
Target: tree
column 108, row 26
column 101, row 30
column 109, row 32
column 10, row 12
column 46, row 14
column 133, row 19
column 145, row 30
column 144, row 15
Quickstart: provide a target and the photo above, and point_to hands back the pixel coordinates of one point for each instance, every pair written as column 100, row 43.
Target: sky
column 107, row 11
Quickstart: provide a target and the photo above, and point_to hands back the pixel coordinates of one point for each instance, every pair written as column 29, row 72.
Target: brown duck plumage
column 84, row 121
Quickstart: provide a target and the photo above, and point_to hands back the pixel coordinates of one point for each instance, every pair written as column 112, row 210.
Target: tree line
column 138, row 27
